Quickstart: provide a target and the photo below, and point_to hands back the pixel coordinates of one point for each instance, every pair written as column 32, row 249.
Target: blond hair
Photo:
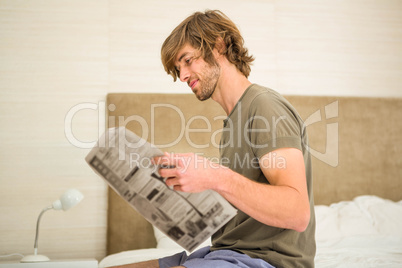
column 202, row 31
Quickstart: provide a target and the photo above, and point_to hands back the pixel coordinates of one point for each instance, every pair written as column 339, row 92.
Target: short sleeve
column 273, row 124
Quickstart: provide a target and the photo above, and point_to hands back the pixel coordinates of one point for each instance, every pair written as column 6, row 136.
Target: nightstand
column 84, row 263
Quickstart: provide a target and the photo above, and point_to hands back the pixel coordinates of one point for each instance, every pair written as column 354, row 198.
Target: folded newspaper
column 124, row 160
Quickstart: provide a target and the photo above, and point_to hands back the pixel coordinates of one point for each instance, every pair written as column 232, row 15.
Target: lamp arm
column 37, row 228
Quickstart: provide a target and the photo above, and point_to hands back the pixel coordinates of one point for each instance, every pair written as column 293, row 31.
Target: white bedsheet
column 365, row 232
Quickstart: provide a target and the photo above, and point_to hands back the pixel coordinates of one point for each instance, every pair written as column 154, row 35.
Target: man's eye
column 188, row 61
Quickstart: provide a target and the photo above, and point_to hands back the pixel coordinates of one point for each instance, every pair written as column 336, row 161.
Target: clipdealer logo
column 329, row 156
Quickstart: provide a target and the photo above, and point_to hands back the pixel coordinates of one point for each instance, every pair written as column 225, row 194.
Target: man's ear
column 220, row 46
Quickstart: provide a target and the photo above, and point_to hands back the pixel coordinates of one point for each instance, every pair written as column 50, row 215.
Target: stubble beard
column 210, row 76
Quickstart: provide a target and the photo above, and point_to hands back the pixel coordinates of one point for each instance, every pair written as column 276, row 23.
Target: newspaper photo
column 124, row 160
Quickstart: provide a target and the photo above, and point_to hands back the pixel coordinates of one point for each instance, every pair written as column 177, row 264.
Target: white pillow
column 364, row 215
column 163, row 241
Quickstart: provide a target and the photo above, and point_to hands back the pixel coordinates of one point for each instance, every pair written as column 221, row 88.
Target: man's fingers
column 168, row 160
column 168, row 172
column 172, row 182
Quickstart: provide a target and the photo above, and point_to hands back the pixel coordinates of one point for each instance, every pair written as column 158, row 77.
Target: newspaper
column 124, row 160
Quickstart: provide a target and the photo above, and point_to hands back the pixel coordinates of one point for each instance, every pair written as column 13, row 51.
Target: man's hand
column 188, row 172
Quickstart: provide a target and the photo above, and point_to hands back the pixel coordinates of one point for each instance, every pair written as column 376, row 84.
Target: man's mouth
column 193, row 83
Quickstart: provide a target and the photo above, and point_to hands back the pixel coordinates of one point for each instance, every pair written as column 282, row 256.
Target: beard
column 209, row 79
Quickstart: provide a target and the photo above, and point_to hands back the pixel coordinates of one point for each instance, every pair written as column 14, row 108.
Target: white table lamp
column 68, row 200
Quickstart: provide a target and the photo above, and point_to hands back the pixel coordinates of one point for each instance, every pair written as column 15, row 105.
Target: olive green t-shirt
column 261, row 122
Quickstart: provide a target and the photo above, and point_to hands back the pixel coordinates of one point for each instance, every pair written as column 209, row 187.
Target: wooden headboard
column 356, row 145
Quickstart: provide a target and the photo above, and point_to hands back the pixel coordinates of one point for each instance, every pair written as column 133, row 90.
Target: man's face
column 200, row 76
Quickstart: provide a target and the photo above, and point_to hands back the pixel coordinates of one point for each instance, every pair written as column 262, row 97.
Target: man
column 266, row 169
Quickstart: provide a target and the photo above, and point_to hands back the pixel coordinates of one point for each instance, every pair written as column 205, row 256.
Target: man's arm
column 283, row 203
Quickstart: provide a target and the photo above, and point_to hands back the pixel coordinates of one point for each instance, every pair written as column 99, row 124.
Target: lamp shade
column 69, row 199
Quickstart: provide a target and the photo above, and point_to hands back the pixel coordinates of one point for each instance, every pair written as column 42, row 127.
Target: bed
column 357, row 170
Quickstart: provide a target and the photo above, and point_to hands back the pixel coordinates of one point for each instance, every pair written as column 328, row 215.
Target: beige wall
column 57, row 56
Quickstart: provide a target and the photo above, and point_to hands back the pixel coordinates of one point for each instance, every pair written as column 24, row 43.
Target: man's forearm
column 282, row 203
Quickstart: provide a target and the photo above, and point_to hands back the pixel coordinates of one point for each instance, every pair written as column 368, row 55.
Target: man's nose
column 184, row 74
